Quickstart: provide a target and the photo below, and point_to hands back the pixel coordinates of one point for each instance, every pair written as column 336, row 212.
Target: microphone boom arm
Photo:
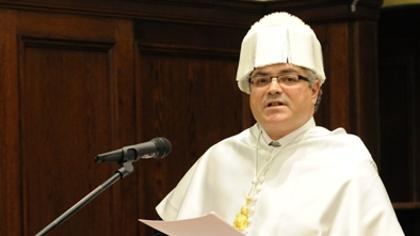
column 126, row 169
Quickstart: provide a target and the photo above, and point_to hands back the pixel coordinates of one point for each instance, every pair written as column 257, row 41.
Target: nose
column 274, row 86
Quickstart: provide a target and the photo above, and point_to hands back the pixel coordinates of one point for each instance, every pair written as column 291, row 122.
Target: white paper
column 208, row 225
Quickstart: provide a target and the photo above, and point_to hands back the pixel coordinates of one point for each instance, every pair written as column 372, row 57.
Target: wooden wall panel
column 333, row 110
column 399, row 104
column 73, row 96
column 65, row 122
column 363, row 82
column 396, row 130
column 399, row 86
column 350, row 97
column 187, row 93
column 10, row 193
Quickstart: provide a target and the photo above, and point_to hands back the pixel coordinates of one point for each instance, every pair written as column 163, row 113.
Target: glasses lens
column 261, row 81
column 289, row 79
column 285, row 79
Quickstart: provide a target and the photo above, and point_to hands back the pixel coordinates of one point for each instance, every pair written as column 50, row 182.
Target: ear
column 316, row 86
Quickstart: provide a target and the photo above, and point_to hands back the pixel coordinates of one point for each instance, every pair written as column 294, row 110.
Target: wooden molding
column 406, row 205
column 240, row 13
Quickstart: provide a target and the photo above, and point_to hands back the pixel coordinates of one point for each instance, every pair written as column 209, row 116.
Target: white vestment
column 319, row 182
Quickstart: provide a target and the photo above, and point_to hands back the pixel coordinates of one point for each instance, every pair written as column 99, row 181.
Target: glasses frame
column 278, row 80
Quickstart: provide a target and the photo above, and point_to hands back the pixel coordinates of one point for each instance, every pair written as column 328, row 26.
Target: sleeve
column 366, row 209
column 378, row 216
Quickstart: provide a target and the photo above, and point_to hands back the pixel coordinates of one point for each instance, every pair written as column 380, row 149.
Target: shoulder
column 244, row 139
column 337, row 139
column 337, row 148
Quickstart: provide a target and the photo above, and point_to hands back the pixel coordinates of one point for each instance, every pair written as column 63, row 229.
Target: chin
column 277, row 118
column 275, row 123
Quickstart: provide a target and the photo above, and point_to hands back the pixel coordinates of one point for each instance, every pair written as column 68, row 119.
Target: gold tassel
column 241, row 221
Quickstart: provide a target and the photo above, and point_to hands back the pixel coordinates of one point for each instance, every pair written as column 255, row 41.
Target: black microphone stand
column 126, row 169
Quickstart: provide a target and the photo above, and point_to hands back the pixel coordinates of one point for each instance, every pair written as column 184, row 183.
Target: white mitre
column 279, row 38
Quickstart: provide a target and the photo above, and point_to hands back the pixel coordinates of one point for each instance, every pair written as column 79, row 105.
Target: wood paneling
column 10, row 191
column 334, row 40
column 363, row 81
column 64, row 123
column 399, row 86
column 187, row 93
column 399, row 50
column 350, row 96
column 82, row 77
column 72, row 98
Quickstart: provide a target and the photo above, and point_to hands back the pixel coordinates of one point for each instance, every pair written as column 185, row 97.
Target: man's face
column 282, row 107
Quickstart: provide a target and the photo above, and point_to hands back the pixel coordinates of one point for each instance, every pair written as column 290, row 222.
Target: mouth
column 274, row 104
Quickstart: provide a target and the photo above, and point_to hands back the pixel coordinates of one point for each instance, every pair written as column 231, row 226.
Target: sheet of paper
column 208, row 225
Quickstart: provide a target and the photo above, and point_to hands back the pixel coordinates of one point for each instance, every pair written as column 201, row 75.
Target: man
column 285, row 175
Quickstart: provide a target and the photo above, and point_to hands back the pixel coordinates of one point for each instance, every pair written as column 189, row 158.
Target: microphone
column 155, row 148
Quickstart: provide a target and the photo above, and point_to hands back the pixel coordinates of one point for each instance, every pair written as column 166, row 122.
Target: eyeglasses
column 285, row 79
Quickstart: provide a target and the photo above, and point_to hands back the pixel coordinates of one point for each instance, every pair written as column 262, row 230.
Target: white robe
column 320, row 182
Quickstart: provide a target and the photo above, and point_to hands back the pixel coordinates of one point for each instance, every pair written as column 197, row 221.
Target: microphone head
column 163, row 146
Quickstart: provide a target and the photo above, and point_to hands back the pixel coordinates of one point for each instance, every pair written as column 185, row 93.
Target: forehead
column 278, row 68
